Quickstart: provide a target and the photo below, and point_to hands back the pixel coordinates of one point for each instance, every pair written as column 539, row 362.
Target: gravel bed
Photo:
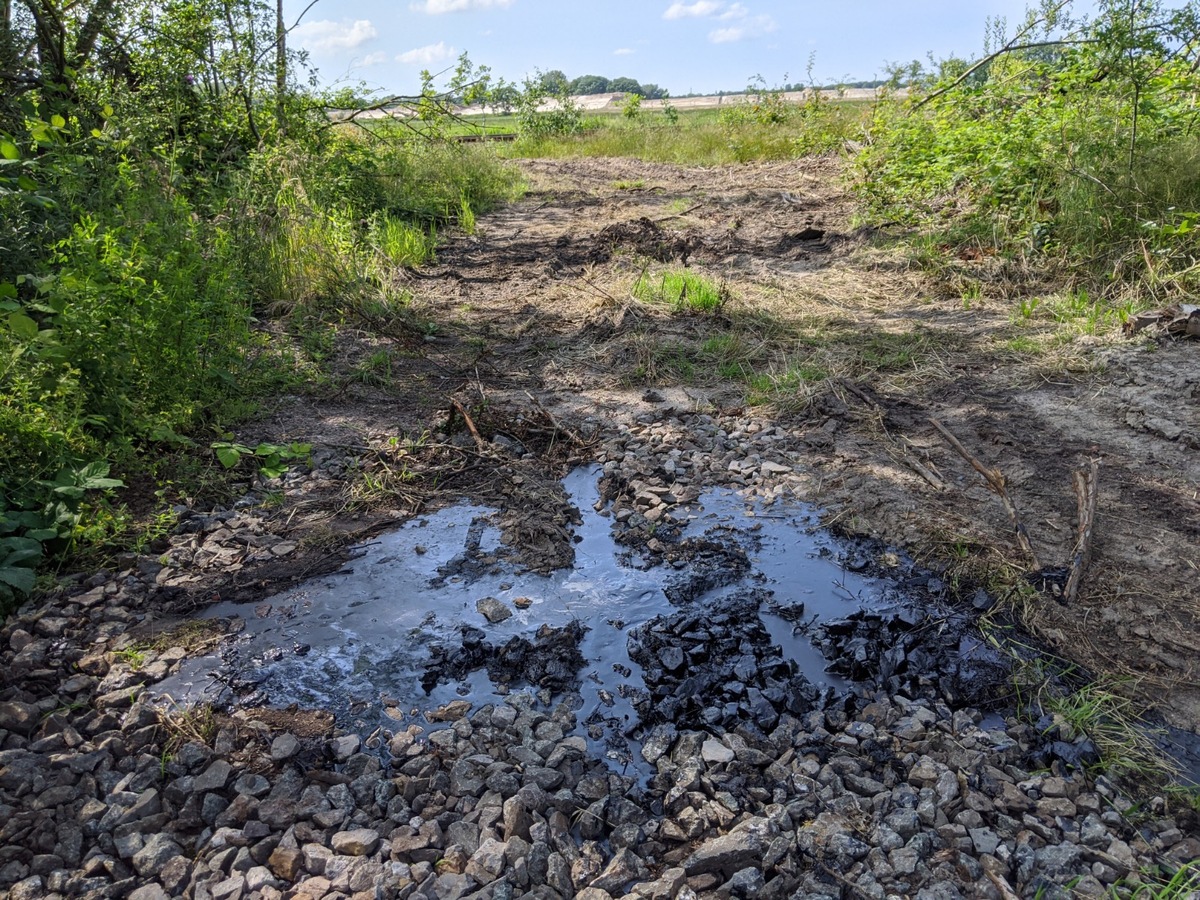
column 905, row 792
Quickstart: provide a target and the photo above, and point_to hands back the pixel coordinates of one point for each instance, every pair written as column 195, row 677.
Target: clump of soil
column 648, row 239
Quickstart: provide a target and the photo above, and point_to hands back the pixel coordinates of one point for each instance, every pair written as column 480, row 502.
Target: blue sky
column 682, row 45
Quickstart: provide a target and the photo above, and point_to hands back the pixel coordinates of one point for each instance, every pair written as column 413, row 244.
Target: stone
column 231, row 888
column 284, row 747
column 259, row 877
column 666, row 887
column 214, row 778
column 493, row 610
column 157, row 852
column 487, row 863
column 729, row 852
column 714, row 752
column 359, row 842
column 19, row 717
column 287, row 863
column 345, row 747
column 149, row 892
column 747, row 882
column 985, row 841
column 623, row 868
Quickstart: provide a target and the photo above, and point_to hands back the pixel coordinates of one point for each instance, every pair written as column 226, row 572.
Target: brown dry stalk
column 455, row 406
column 1085, row 482
column 995, row 481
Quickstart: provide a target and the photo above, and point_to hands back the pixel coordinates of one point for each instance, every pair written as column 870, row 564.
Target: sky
column 686, row 46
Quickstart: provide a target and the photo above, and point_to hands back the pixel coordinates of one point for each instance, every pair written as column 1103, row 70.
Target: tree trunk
column 280, row 67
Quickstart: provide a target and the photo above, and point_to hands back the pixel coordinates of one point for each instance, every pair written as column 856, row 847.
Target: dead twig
column 558, row 426
column 679, row 215
column 1086, row 484
column 995, row 481
column 899, row 447
column 455, row 406
column 1002, row 885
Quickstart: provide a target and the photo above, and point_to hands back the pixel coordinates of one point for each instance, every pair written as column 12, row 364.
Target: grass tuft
column 683, row 291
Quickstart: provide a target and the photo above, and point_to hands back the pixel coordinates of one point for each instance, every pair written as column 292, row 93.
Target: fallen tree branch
column 455, row 406
column 1086, row 484
column 558, row 426
column 995, row 481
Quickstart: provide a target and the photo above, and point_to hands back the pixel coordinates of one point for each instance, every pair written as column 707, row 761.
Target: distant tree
column 652, row 92
column 591, row 84
column 555, row 82
column 625, row 85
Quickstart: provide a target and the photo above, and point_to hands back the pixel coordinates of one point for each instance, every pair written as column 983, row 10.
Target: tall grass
column 707, row 138
column 683, row 291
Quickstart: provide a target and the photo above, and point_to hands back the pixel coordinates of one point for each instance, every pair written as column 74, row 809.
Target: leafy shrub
column 1075, row 139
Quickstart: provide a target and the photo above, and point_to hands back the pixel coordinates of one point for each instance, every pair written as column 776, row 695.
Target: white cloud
column 698, row 10
column 327, row 35
column 440, row 7
column 757, row 27
column 735, row 11
column 429, row 55
column 374, row 59
column 623, row 51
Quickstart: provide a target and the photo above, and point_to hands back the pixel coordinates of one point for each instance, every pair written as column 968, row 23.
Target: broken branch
column 455, row 406
column 995, row 481
column 1086, row 483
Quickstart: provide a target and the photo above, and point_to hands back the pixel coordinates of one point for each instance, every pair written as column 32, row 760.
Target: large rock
column 19, row 717
column 487, row 862
column 157, row 852
column 730, row 853
column 359, row 842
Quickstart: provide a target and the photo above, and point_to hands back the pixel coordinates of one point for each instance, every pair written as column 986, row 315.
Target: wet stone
column 493, row 610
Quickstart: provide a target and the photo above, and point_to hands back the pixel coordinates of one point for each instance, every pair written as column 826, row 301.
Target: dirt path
column 530, row 323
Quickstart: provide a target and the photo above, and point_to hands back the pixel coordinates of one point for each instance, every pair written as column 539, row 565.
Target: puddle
column 397, row 632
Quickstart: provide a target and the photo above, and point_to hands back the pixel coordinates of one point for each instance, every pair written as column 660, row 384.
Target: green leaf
column 9, row 150
column 16, row 544
column 58, row 121
column 273, row 471
column 42, row 534
column 21, row 556
column 7, row 289
column 22, row 326
column 228, row 456
column 22, row 579
column 25, row 183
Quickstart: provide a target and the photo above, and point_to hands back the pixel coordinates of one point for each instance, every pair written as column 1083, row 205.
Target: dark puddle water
column 765, row 614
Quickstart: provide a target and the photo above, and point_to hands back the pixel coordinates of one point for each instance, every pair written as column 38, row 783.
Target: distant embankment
column 611, row 102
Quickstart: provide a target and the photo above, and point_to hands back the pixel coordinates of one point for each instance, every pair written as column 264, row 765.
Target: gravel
column 907, row 791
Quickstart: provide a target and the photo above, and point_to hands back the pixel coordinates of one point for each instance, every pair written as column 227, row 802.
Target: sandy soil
column 530, row 323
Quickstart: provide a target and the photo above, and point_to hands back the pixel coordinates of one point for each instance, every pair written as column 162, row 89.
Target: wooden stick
column 558, row 426
column 480, row 443
column 680, row 214
column 995, row 481
column 1087, row 490
column 1002, row 885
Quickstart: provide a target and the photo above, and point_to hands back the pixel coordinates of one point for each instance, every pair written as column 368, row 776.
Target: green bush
column 1077, row 142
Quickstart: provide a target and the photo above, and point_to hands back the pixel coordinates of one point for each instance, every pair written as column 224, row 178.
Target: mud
column 720, row 629
column 536, row 304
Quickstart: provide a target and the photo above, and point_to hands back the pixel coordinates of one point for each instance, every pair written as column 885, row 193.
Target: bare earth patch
column 824, row 329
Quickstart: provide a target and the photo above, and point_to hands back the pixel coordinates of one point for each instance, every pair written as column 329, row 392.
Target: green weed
column 683, row 291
